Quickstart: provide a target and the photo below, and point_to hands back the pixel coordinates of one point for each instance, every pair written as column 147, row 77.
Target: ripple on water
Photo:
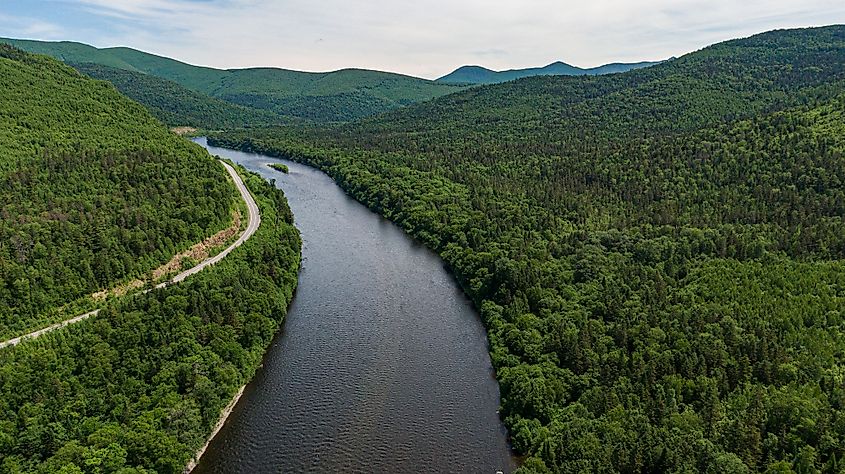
column 382, row 365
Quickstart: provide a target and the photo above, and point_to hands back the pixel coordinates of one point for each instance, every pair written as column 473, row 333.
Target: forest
column 657, row 255
column 139, row 388
column 176, row 105
column 343, row 95
column 93, row 191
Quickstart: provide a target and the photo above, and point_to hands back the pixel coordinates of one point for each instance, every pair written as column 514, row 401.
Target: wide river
column 382, row 363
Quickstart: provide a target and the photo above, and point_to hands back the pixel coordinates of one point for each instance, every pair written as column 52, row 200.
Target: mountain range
column 183, row 94
column 482, row 75
column 342, row 95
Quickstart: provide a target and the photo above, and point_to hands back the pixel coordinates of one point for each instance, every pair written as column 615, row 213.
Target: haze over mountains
column 482, row 75
column 177, row 105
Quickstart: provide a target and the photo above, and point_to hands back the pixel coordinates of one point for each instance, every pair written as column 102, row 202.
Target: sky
column 424, row 38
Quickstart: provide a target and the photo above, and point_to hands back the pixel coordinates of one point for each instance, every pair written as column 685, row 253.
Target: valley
column 656, row 282
column 633, row 268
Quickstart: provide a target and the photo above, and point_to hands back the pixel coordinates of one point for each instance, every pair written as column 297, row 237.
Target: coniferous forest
column 657, row 255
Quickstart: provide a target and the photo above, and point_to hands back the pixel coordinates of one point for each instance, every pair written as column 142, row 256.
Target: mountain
column 481, row 75
column 658, row 255
column 323, row 97
column 723, row 82
column 93, row 192
column 176, row 105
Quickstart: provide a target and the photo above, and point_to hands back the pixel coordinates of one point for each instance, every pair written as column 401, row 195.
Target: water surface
column 382, row 365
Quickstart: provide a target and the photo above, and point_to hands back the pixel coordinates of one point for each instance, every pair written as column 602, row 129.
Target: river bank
column 224, row 415
column 382, row 365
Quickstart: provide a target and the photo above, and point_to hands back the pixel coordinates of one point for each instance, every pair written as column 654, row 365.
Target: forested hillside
column 176, row 105
column 139, row 388
column 657, row 255
column 322, row 97
column 93, row 190
column 549, row 115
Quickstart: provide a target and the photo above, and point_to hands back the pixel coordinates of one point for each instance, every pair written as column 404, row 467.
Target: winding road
column 254, row 220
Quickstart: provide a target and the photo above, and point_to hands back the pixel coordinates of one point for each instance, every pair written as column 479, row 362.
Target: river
column 382, row 363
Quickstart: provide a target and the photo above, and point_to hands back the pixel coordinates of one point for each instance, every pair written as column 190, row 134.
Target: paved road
column 254, row 221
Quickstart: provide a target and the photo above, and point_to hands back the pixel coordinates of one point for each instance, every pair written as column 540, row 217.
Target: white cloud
column 429, row 37
column 28, row 27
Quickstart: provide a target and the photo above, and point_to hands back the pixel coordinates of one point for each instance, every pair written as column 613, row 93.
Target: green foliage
column 563, row 115
column 141, row 386
column 93, row 190
column 176, row 105
column 280, row 167
column 657, row 255
column 323, row 97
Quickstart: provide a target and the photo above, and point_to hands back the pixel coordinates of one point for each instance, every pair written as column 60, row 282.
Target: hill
column 723, row 82
column 657, row 255
column 481, row 75
column 176, row 105
column 94, row 190
column 323, row 97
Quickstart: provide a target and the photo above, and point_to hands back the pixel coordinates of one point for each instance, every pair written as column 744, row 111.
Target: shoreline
column 224, row 415
column 514, row 456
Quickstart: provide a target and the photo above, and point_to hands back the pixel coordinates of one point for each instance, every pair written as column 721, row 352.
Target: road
column 254, row 220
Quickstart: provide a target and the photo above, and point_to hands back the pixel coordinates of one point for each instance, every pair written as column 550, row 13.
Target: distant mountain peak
column 474, row 74
column 474, row 67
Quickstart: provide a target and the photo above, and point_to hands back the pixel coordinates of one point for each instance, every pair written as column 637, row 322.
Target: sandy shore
column 223, row 417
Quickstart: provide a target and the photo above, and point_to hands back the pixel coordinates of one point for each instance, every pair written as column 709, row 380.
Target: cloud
column 430, row 37
column 485, row 53
column 135, row 9
column 13, row 25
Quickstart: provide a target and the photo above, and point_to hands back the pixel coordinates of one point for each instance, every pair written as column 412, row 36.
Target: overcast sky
column 426, row 38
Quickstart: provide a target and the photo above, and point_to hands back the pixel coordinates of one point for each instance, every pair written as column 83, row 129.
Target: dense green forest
column 657, row 255
column 280, row 167
column 322, row 97
column 140, row 387
column 176, row 105
column 554, row 115
column 93, row 190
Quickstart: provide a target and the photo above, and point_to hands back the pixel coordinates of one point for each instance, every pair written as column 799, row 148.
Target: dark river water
column 382, row 364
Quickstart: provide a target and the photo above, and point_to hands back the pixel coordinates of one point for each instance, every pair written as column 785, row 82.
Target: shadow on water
column 382, row 365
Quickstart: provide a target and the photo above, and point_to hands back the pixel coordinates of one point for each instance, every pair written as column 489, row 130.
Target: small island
column 279, row 167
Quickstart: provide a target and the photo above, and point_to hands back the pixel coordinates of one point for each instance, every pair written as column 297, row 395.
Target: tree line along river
column 382, row 363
